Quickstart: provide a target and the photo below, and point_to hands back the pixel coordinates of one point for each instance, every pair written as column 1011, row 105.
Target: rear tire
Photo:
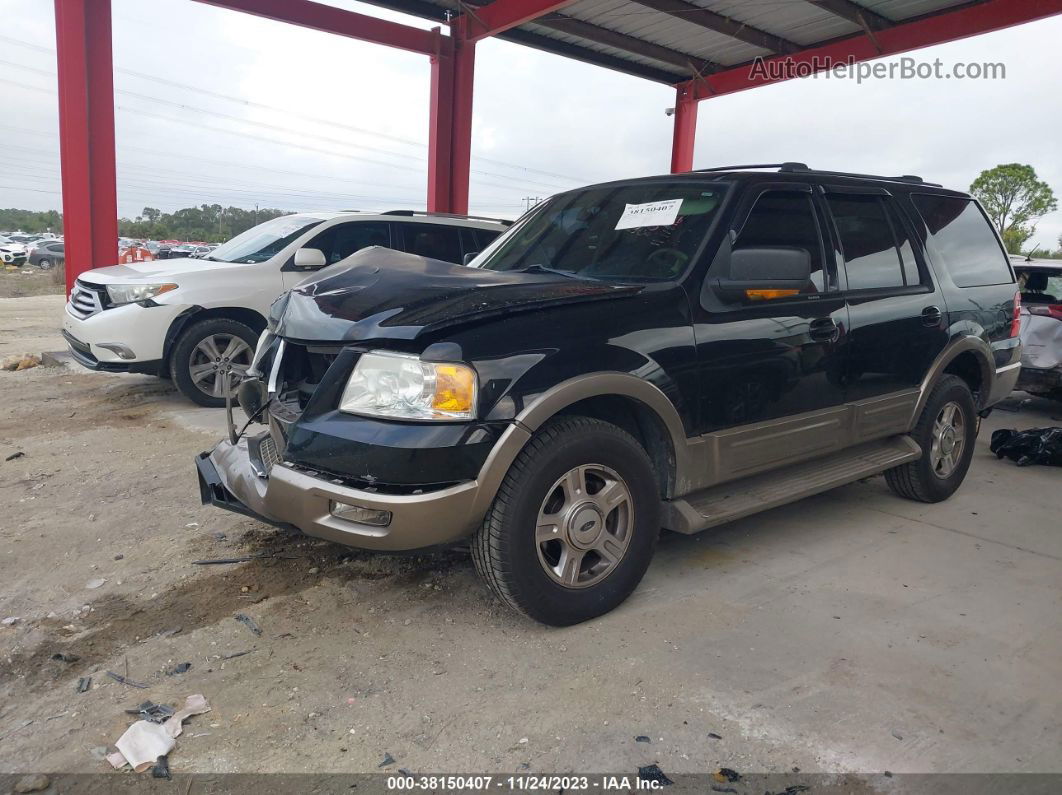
column 574, row 524
column 946, row 431
column 44, row 264
column 199, row 360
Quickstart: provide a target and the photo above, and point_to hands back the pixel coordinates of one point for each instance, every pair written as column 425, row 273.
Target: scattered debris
column 387, row 760
column 792, row 789
column 897, row 735
column 18, row 728
column 179, row 668
column 119, row 556
column 10, row 621
column 247, row 621
column 161, row 768
column 220, row 561
column 124, row 681
column 20, row 362
column 150, row 711
column 727, row 775
column 1025, row 448
column 235, row 654
column 95, row 583
column 169, row 633
column 641, row 738
column 653, row 773
column 143, row 743
column 714, row 736
column 64, row 657
column 34, row 783
column 13, row 456
column 83, row 684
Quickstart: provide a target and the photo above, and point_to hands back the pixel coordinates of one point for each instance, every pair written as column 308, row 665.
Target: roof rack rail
column 447, row 215
column 801, row 168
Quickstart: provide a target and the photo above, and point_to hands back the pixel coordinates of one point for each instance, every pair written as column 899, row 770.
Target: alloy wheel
column 217, row 359
column 584, row 526
column 949, row 439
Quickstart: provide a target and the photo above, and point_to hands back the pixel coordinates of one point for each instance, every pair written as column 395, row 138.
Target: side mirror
column 471, row 255
column 765, row 273
column 310, row 259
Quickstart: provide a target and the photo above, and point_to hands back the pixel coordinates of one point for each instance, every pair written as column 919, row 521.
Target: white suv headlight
column 131, row 293
column 403, row 387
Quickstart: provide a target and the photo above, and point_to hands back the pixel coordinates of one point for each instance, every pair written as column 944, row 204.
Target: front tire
column 44, row 264
column 574, row 524
column 206, row 353
column 946, row 431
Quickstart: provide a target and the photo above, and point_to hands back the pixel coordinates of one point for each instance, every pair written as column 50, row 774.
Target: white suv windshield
column 263, row 241
column 647, row 231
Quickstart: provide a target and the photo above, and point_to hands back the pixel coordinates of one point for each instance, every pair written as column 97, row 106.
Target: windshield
column 637, row 232
column 263, row 241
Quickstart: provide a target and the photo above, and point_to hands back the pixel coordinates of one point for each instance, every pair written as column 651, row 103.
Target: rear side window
column 434, row 241
column 787, row 219
column 962, row 239
column 877, row 250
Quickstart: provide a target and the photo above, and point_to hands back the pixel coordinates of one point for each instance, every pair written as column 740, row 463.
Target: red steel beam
column 330, row 19
column 685, row 132
column 947, row 26
column 86, row 134
column 450, row 132
column 501, row 15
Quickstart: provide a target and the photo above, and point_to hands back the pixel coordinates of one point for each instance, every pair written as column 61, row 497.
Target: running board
column 739, row 498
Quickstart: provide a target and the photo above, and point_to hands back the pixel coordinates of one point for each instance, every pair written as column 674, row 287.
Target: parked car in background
column 197, row 320
column 677, row 351
column 12, row 252
column 1041, row 326
column 47, row 254
column 201, row 251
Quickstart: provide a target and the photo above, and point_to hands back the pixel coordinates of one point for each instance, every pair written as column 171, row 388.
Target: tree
column 1014, row 198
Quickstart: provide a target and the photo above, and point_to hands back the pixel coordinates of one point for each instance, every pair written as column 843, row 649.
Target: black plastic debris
column 64, row 657
column 387, row 760
column 792, row 789
column 125, row 681
column 179, row 668
column 641, row 738
column 726, row 774
column 149, row 710
column 714, row 736
column 248, row 622
column 13, row 456
column 161, row 768
column 1034, row 446
column 83, row 684
column 653, row 773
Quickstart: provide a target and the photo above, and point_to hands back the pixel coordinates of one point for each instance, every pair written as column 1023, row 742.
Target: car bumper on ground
column 239, row 478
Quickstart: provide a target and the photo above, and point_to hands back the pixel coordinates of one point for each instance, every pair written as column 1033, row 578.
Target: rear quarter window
column 963, row 241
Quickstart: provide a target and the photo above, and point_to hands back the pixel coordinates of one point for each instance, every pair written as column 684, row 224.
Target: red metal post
column 685, row 132
column 86, row 134
column 450, row 130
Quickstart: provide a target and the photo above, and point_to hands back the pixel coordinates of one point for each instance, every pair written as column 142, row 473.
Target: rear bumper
column 1004, row 383
column 289, row 497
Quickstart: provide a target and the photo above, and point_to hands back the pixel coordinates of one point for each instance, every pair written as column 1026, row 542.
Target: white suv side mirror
column 310, row 259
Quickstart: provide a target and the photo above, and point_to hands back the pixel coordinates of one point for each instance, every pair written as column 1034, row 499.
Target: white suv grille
column 85, row 300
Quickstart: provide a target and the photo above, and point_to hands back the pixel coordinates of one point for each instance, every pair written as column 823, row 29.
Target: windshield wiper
column 543, row 269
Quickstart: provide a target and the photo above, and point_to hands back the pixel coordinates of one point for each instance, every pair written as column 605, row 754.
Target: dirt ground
column 28, row 280
column 852, row 632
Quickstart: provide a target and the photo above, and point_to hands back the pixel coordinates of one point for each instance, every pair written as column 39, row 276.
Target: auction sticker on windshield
column 662, row 213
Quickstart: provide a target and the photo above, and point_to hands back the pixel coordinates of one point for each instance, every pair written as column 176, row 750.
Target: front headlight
column 403, row 387
column 131, row 293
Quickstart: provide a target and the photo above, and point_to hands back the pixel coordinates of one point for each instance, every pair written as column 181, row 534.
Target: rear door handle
column 824, row 329
column 931, row 316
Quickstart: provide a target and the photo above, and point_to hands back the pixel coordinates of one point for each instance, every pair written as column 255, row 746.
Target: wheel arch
column 632, row 403
column 194, row 314
column 969, row 358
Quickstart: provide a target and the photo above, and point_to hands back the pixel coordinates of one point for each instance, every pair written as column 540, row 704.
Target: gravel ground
column 853, row 632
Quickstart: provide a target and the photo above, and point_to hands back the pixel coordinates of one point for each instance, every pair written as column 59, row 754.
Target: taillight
column 1015, row 320
column 1046, row 310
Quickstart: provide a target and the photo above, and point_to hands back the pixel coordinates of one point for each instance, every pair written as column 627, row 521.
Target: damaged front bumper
column 241, row 478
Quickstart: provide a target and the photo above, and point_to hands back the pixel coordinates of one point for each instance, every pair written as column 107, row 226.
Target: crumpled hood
column 378, row 293
column 154, row 271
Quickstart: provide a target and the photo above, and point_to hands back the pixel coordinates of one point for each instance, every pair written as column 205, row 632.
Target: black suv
column 669, row 352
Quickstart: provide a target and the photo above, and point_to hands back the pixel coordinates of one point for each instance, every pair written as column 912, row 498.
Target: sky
column 213, row 106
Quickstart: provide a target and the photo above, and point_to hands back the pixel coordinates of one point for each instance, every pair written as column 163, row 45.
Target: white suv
column 197, row 320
